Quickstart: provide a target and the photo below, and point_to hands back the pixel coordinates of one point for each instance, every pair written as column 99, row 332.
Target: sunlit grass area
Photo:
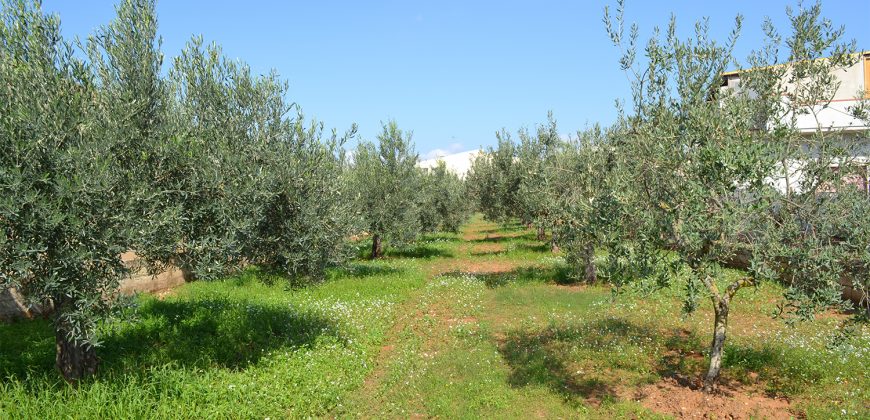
column 484, row 323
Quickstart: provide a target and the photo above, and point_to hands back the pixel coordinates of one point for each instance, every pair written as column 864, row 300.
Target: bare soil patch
column 687, row 401
column 471, row 267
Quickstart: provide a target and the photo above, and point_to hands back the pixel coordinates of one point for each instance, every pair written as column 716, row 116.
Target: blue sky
column 453, row 72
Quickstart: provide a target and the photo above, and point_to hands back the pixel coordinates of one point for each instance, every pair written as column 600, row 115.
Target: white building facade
column 834, row 116
column 457, row 163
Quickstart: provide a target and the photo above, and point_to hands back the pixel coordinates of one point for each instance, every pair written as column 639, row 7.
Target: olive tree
column 575, row 186
column 693, row 166
column 132, row 95
column 506, row 181
column 535, row 154
column 698, row 168
column 204, row 185
column 385, row 179
column 441, row 200
column 306, row 212
column 63, row 199
column 209, row 169
column 494, row 181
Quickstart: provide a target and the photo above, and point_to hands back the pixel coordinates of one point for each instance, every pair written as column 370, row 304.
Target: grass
column 484, row 323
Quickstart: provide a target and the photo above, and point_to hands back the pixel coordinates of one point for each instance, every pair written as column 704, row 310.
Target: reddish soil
column 688, row 402
column 471, row 266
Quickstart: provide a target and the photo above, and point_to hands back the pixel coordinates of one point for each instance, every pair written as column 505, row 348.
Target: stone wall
column 13, row 305
column 141, row 281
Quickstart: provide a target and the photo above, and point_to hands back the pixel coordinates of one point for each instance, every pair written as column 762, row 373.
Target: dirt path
column 422, row 306
column 407, row 313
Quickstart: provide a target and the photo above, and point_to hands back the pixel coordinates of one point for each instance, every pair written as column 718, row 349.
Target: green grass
column 479, row 324
column 238, row 348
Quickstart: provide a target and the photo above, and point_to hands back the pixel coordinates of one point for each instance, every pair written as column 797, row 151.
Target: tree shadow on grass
column 540, row 248
column 26, row 346
column 202, row 333
column 505, row 228
column 506, row 238
column 492, row 230
column 211, row 332
column 418, row 251
column 519, row 276
column 493, row 239
column 487, row 249
column 424, row 249
column 544, row 357
column 686, row 361
column 360, row 270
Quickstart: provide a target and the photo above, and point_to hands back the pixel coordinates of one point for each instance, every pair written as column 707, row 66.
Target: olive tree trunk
column 721, row 306
column 377, row 246
column 720, row 325
column 589, row 261
column 75, row 359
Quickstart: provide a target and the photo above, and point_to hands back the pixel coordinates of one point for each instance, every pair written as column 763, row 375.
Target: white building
column 458, row 163
column 833, row 116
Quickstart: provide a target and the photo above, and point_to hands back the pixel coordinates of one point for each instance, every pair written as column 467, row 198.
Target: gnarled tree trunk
column 188, row 274
column 377, row 247
column 542, row 235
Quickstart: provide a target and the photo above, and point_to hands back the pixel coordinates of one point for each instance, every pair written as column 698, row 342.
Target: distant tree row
column 208, row 168
column 693, row 178
column 396, row 199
